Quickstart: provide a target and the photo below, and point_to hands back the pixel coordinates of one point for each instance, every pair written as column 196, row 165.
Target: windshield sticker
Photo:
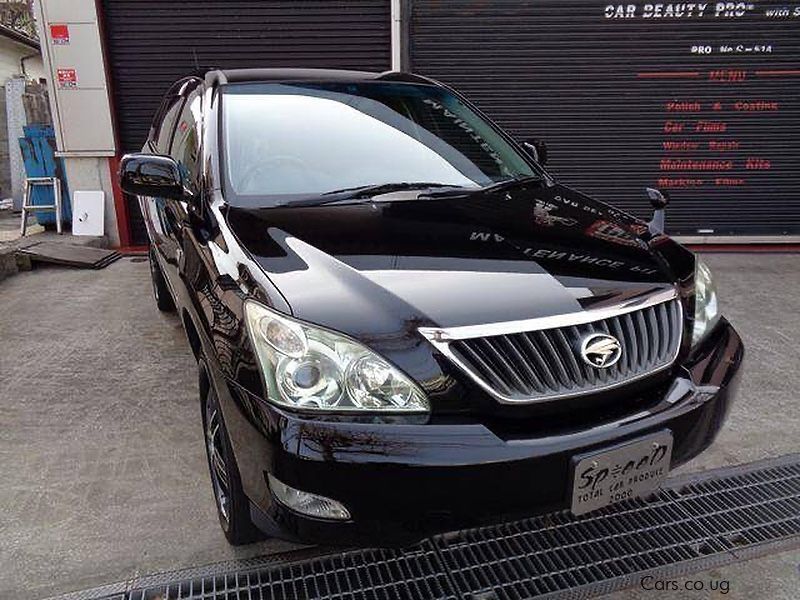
column 476, row 137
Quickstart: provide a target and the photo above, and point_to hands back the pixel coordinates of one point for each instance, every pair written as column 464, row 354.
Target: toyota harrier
column 403, row 323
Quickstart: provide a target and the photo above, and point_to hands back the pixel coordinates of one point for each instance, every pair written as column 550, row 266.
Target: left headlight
column 309, row 368
column 706, row 310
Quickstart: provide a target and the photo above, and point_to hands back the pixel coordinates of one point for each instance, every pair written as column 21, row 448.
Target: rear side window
column 165, row 123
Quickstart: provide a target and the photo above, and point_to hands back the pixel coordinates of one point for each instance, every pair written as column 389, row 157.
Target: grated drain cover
column 694, row 522
column 372, row 574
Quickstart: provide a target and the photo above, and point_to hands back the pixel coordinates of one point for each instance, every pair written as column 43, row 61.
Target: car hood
column 378, row 270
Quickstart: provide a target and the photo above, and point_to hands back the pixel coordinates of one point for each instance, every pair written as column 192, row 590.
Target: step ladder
column 27, row 196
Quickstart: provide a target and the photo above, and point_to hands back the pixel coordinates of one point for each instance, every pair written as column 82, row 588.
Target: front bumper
column 402, row 482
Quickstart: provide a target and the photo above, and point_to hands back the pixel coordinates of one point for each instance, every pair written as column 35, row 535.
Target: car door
column 159, row 142
column 191, row 266
column 207, row 295
column 185, row 149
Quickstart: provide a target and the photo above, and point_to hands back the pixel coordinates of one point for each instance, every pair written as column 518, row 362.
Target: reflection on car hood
column 375, row 269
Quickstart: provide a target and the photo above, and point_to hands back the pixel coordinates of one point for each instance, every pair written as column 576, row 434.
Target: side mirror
column 659, row 201
column 537, row 149
column 150, row 175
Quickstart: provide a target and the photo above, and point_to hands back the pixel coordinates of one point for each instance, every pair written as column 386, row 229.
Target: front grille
column 547, row 363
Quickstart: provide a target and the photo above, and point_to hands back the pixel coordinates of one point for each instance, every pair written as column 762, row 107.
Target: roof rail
column 404, row 76
column 216, row 77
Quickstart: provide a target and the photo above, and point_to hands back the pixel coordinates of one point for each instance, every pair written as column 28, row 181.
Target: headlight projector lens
column 311, row 368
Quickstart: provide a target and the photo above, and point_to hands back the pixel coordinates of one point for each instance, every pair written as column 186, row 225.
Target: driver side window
column 162, row 136
column 186, row 142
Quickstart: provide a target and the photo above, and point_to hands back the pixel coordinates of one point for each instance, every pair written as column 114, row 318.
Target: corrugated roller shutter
column 704, row 105
column 152, row 43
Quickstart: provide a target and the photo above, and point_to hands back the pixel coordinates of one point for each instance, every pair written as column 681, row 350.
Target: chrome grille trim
column 536, row 360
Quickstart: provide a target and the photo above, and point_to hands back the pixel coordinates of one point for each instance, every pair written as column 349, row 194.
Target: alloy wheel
column 216, row 458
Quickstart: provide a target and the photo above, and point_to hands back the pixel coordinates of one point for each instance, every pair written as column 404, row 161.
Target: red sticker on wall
column 59, row 34
column 67, row 78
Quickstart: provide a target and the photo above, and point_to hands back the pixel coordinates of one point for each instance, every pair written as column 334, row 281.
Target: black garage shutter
column 706, row 105
column 152, row 43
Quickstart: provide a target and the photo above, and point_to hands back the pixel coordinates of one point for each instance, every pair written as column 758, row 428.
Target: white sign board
column 88, row 212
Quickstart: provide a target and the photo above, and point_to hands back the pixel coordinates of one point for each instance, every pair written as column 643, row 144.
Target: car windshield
column 285, row 141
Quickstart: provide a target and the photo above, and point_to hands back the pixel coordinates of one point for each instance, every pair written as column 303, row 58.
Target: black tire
column 233, row 507
column 161, row 292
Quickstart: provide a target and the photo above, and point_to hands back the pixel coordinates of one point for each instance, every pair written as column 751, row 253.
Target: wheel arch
column 204, row 379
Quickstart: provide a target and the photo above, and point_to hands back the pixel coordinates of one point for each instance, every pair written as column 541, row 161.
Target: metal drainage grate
column 690, row 520
column 695, row 522
column 368, row 574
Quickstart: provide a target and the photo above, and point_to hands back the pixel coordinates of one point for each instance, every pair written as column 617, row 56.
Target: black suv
column 403, row 324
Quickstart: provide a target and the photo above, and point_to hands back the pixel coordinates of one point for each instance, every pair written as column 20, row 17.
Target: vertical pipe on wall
column 15, row 121
column 397, row 34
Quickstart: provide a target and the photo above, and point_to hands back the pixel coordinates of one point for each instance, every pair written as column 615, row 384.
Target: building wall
column 11, row 53
column 11, row 167
column 93, row 174
column 34, row 68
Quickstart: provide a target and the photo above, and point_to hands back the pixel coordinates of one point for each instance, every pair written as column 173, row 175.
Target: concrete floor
column 103, row 470
column 760, row 295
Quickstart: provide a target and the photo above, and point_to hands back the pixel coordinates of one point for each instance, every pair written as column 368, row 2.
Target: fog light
column 307, row 503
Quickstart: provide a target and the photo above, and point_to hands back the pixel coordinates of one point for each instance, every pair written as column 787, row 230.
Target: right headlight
column 706, row 310
column 310, row 368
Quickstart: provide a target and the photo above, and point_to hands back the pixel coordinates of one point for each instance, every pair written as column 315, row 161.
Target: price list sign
column 701, row 99
column 718, row 87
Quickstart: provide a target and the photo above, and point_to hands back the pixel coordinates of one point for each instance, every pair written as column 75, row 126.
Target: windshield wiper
column 497, row 186
column 365, row 192
column 512, row 183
